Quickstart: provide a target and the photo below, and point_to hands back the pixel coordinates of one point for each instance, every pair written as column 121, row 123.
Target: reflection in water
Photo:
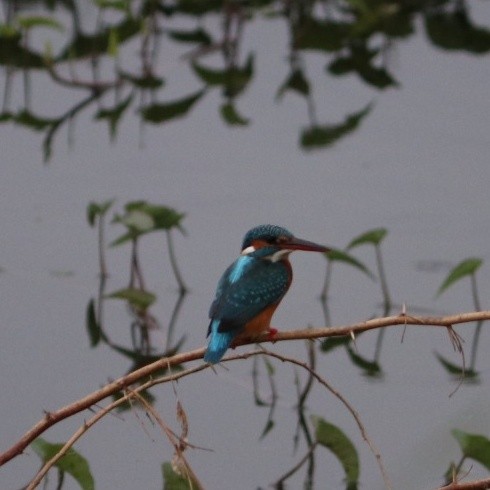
column 354, row 38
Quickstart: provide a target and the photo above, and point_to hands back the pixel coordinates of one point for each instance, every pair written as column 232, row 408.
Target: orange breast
column 262, row 321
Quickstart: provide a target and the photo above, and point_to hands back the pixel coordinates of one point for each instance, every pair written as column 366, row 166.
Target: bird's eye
column 281, row 239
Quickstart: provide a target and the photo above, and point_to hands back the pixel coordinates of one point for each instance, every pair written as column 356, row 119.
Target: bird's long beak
column 299, row 244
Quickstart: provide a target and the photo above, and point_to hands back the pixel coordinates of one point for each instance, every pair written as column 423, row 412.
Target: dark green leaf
column 465, row 268
column 173, row 481
column 72, row 462
column 233, row 80
column 28, row 119
column 321, row 35
column 373, row 237
column 120, row 5
column 95, row 209
column 454, row 369
column 93, row 327
column 376, row 76
column 136, row 297
column 334, row 439
column 370, row 368
column 454, row 31
column 39, row 21
column 84, row 45
column 13, row 54
column 9, row 31
column 198, row 35
column 474, row 446
column 160, row 113
column 6, row 116
column 268, row 427
column 231, row 116
column 342, row 256
column 210, row 76
column 296, row 82
column 92, row 212
column 325, row 136
column 332, row 343
column 113, row 115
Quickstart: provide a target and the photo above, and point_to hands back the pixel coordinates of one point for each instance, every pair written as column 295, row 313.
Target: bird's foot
column 272, row 334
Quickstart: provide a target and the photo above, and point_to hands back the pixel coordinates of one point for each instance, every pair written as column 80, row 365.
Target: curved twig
column 51, row 418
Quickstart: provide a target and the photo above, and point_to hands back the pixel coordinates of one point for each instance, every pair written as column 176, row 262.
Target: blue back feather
column 246, row 288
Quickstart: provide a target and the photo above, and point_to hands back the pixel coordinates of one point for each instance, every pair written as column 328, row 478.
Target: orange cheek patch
column 257, row 244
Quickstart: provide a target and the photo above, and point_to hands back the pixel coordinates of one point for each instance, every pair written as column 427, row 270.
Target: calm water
column 418, row 166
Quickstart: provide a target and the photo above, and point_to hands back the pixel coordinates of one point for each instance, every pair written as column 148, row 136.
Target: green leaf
column 233, row 79
column 334, row 439
column 136, row 297
column 268, row 427
column 86, row 45
column 373, row 237
column 113, row 115
column 174, row 481
column 30, row 120
column 120, row 5
column 39, row 21
column 455, row 370
column 72, row 462
column 359, row 61
column 474, row 446
column 296, row 82
column 137, row 221
column 160, row 113
column 164, row 218
column 198, row 35
column 142, row 217
column 113, row 44
column 454, row 31
column 210, row 76
column 14, row 54
column 370, row 368
column 231, row 116
column 324, row 136
column 92, row 212
column 97, row 209
column 332, row 343
column 9, row 31
column 93, row 328
column 324, row 36
column 465, row 268
column 336, row 255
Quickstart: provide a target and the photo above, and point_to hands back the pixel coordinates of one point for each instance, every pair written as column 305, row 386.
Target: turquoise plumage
column 252, row 287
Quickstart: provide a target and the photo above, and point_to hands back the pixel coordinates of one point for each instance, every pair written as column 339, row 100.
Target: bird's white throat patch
column 279, row 255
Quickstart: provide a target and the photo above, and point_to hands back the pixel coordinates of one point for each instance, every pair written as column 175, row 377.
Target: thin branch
column 103, row 412
column 343, row 400
column 471, row 485
column 51, row 418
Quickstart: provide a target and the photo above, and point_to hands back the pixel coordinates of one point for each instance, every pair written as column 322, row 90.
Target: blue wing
column 247, row 287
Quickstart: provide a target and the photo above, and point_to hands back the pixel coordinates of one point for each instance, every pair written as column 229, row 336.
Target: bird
column 252, row 287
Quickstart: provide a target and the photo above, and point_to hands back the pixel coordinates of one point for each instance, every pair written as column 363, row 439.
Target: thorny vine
column 180, row 443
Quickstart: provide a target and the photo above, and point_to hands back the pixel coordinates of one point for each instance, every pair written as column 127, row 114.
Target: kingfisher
column 252, row 287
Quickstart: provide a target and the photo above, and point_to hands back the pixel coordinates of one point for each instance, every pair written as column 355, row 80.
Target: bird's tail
column 218, row 343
